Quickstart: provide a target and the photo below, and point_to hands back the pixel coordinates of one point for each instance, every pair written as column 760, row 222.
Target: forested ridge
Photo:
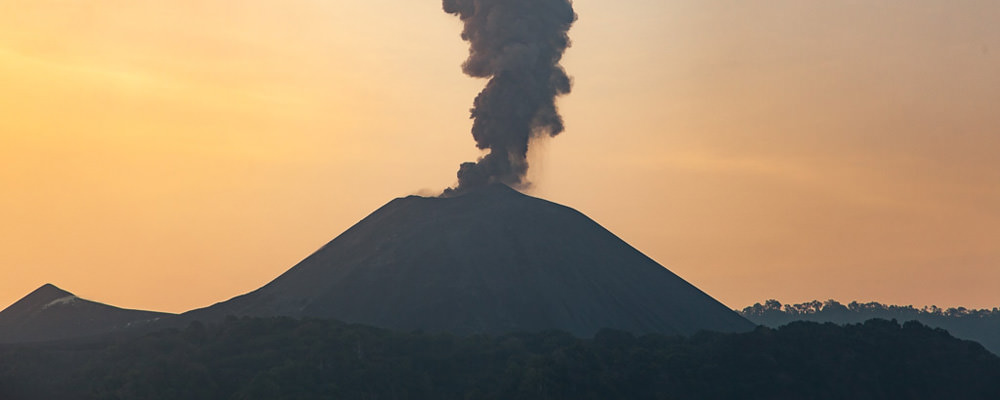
column 981, row 325
column 282, row 358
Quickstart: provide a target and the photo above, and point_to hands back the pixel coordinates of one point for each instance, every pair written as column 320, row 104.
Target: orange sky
column 170, row 154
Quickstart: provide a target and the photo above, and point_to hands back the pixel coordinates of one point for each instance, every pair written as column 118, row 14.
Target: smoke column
column 518, row 45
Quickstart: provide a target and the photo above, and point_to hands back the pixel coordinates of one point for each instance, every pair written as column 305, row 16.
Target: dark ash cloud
column 518, row 45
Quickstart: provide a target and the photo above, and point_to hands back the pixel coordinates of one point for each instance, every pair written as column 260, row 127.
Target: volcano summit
column 492, row 260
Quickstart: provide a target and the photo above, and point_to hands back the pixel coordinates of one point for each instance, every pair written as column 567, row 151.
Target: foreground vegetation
column 283, row 358
column 982, row 325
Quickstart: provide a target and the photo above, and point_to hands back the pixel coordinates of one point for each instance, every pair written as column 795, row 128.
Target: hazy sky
column 170, row 154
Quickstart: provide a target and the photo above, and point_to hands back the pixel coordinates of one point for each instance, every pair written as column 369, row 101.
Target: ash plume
column 517, row 44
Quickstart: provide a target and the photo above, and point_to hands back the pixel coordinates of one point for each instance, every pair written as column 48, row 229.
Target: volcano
column 491, row 260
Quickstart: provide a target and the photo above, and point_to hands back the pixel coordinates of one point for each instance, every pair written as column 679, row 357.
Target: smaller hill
column 982, row 326
column 50, row 313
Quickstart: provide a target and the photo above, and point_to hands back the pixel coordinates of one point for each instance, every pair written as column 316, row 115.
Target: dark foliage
column 982, row 326
column 319, row 359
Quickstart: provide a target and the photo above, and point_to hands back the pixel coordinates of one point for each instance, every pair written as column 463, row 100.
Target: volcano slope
column 492, row 261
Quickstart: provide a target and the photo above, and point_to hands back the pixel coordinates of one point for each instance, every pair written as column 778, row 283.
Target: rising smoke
column 518, row 45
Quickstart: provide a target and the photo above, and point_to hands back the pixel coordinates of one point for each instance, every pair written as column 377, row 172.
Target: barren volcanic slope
column 490, row 261
column 50, row 313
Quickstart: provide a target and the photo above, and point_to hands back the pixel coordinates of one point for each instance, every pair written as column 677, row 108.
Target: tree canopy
column 981, row 325
column 281, row 358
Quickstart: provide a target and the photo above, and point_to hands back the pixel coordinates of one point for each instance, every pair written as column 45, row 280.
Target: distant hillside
column 284, row 358
column 50, row 313
column 982, row 326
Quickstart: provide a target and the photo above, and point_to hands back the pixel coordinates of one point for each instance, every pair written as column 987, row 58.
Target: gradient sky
column 167, row 155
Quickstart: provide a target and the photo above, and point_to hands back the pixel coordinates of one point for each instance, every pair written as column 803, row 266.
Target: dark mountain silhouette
column 50, row 313
column 492, row 260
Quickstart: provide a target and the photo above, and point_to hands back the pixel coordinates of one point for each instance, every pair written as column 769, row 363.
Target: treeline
column 283, row 358
column 982, row 325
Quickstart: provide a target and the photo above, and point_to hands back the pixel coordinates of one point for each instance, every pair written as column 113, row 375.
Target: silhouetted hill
column 982, row 326
column 50, row 313
column 492, row 260
column 283, row 358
